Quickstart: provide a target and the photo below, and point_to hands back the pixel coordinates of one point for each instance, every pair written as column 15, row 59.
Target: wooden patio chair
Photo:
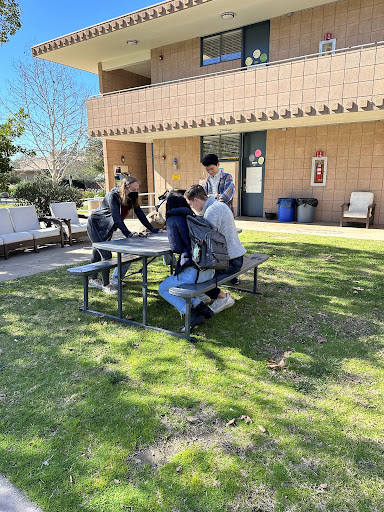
column 360, row 208
column 74, row 229
column 11, row 239
column 24, row 218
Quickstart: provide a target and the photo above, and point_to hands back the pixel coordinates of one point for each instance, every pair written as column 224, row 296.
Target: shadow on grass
column 82, row 395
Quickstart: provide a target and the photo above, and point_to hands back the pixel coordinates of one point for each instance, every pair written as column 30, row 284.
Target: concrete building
column 266, row 85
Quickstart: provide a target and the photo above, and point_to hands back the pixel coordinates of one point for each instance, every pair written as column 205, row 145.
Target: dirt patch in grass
column 202, row 428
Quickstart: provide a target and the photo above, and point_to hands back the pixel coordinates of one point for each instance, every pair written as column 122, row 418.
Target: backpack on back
column 209, row 247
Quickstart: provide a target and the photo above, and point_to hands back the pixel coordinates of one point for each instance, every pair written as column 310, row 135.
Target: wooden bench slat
column 193, row 290
column 90, row 268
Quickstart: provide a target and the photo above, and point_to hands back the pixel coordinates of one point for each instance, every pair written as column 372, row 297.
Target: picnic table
column 146, row 248
column 150, row 246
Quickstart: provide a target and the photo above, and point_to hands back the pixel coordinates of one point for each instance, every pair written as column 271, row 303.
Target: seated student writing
column 218, row 214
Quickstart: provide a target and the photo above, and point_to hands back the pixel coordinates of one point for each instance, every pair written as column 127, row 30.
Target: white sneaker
column 221, row 304
column 110, row 289
column 116, row 283
column 204, row 298
column 95, row 283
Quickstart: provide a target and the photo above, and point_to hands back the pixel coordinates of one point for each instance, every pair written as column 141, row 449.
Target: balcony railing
column 346, row 81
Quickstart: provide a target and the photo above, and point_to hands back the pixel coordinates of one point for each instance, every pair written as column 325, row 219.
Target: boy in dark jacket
column 185, row 273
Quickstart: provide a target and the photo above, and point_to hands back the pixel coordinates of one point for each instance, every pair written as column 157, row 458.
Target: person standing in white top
column 221, row 217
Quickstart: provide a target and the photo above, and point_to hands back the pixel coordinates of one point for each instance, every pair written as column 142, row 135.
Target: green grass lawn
column 99, row 416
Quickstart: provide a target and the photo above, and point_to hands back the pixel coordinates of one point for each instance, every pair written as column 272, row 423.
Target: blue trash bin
column 286, row 209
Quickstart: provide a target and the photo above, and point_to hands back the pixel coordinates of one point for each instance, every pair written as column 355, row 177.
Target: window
column 226, row 147
column 221, row 47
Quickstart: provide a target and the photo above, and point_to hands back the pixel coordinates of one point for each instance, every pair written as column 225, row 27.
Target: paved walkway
column 22, row 264
column 12, row 500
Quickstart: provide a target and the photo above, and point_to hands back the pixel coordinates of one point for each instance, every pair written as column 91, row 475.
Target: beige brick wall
column 355, row 154
column 352, row 22
column 187, row 152
column 181, row 60
column 356, row 76
column 119, row 79
column 134, row 156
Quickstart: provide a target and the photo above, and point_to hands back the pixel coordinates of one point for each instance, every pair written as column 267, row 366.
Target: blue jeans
column 186, row 276
column 124, row 270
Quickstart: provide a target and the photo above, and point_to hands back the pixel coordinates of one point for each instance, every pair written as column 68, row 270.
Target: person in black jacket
column 108, row 218
column 177, row 210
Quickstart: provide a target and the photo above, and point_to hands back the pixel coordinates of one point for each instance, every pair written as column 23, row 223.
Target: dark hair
column 210, row 159
column 175, row 200
column 196, row 191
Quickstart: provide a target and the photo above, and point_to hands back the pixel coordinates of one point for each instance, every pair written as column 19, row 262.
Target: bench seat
column 86, row 270
column 193, row 290
column 188, row 291
column 91, row 268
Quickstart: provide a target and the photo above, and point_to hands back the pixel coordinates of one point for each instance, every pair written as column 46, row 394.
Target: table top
column 155, row 244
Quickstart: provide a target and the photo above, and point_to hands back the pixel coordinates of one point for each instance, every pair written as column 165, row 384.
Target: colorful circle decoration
column 251, row 158
column 261, row 160
column 257, row 153
column 248, row 61
column 256, row 54
column 263, row 57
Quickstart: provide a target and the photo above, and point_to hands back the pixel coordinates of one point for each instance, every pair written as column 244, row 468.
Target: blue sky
column 47, row 19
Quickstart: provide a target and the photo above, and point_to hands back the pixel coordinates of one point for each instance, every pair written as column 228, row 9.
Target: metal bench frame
column 188, row 291
column 86, row 270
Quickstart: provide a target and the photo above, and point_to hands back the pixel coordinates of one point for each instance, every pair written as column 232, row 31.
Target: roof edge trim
column 154, row 11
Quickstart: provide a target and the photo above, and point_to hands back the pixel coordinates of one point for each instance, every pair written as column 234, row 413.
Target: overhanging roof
column 155, row 26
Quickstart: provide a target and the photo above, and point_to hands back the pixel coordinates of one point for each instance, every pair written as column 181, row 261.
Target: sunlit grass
column 99, row 416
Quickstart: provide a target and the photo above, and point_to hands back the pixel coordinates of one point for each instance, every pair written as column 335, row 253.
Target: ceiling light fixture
column 227, row 15
column 132, row 41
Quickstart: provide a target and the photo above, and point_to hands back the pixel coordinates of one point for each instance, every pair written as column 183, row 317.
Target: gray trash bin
column 306, row 209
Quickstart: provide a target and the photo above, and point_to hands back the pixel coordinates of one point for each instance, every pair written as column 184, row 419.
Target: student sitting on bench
column 185, row 273
column 221, row 217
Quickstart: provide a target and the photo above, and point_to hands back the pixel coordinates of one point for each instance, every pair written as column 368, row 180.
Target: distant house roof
column 31, row 164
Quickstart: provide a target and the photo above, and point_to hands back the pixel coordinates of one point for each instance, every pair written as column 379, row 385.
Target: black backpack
column 209, row 247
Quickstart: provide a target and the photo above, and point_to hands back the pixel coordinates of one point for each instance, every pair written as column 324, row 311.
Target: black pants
column 234, row 266
column 98, row 254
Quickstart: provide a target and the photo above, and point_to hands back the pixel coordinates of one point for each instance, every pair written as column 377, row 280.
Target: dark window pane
column 211, row 144
column 230, row 147
column 231, row 45
column 226, row 147
column 211, row 50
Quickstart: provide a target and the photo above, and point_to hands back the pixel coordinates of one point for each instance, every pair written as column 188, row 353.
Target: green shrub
column 87, row 194
column 41, row 192
column 102, row 192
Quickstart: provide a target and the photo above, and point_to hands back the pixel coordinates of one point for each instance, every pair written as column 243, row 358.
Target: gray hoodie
column 221, row 216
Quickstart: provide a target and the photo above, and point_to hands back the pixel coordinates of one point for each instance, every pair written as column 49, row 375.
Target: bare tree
column 56, row 126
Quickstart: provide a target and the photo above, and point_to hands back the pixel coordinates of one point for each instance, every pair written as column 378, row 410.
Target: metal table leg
column 119, row 287
column 188, row 318
column 145, row 289
column 85, row 288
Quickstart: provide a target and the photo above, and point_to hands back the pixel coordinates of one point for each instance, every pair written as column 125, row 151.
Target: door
column 256, row 44
column 253, row 171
